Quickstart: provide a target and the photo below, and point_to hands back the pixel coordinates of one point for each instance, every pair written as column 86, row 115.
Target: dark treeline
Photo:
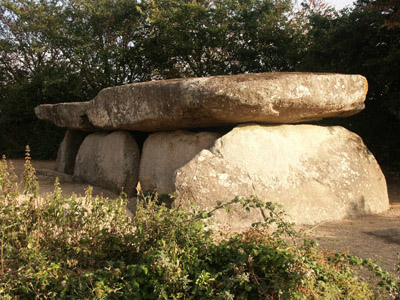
column 67, row 50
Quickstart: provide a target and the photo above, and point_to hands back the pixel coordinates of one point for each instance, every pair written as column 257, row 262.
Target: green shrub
column 60, row 247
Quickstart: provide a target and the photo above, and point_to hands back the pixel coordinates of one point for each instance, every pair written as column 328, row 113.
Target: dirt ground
column 376, row 237
column 46, row 181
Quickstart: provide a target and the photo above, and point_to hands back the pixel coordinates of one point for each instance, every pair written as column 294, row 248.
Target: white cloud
column 339, row 4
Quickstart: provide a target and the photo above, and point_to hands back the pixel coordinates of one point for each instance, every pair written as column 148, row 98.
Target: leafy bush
column 60, row 247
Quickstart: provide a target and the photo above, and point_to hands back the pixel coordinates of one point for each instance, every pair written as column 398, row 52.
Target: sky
column 339, row 4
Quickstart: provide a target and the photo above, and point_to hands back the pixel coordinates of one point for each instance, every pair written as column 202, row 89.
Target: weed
column 60, row 247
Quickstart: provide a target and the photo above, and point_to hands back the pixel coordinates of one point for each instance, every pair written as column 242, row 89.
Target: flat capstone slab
column 213, row 102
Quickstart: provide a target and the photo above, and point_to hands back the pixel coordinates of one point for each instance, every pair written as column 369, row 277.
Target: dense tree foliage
column 364, row 40
column 67, row 50
column 53, row 51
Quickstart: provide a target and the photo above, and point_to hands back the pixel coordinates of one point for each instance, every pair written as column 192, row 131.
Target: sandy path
column 46, row 183
column 376, row 236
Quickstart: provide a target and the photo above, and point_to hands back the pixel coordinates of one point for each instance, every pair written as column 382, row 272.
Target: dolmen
column 215, row 138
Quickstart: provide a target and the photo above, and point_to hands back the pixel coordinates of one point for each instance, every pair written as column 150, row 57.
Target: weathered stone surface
column 215, row 101
column 69, row 115
column 317, row 173
column 165, row 152
column 109, row 160
column 68, row 150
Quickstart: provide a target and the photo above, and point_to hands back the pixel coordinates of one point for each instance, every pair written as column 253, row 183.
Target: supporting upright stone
column 165, row 152
column 65, row 162
column 317, row 173
column 109, row 160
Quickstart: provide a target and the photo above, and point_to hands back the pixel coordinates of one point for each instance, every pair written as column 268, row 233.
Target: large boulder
column 215, row 101
column 109, row 160
column 65, row 162
column 317, row 173
column 165, row 152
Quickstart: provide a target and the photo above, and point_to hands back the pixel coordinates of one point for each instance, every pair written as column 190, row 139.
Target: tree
column 68, row 50
column 60, row 51
column 363, row 40
column 201, row 38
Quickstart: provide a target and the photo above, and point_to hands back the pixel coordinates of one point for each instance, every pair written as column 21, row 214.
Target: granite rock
column 213, row 102
column 317, row 173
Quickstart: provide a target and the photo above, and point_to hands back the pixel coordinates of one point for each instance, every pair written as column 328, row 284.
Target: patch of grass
column 60, row 247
